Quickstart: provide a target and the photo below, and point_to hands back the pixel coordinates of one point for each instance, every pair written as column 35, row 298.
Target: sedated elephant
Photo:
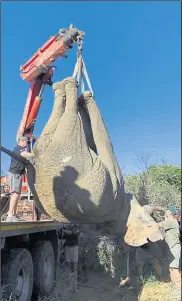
column 76, row 177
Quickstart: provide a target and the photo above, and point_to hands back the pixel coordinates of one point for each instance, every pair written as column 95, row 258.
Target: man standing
column 178, row 217
column 171, row 227
column 147, row 254
column 16, row 170
column 144, row 254
column 71, row 252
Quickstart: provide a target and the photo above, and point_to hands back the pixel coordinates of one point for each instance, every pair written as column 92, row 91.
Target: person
column 146, row 254
column 16, row 170
column 71, row 249
column 127, row 251
column 178, row 217
column 171, row 227
column 37, row 214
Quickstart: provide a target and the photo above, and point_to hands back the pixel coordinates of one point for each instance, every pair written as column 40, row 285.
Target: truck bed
column 14, row 229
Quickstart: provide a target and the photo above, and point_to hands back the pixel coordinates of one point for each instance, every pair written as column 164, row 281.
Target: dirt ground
column 104, row 288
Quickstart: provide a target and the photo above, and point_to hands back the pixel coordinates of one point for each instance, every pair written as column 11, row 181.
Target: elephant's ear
column 138, row 233
column 141, row 227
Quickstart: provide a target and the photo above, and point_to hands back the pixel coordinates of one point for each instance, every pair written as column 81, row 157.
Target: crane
column 38, row 72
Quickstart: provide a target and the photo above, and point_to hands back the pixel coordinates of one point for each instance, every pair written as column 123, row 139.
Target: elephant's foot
column 70, row 82
column 59, row 86
column 65, row 84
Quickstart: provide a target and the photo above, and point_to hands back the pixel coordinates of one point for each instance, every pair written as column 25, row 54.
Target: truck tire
column 44, row 267
column 17, row 275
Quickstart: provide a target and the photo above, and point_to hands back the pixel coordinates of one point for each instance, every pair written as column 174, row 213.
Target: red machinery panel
column 43, row 58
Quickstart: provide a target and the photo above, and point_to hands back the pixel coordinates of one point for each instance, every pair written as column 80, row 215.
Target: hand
column 124, row 281
column 33, row 137
column 32, row 160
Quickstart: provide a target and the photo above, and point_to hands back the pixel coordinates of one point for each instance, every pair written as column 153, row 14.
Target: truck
column 31, row 250
column 30, row 258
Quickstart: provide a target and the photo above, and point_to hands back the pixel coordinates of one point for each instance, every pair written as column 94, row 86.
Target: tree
column 167, row 173
column 158, row 185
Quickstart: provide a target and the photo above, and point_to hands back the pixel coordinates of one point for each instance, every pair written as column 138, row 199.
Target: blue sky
column 132, row 54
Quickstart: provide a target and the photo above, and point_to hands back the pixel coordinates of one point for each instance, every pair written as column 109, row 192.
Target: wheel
column 17, row 275
column 44, row 267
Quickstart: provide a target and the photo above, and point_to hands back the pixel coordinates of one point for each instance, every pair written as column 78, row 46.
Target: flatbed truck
column 30, row 258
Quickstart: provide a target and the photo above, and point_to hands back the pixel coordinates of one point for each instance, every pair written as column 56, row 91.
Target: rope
column 80, row 72
column 87, row 77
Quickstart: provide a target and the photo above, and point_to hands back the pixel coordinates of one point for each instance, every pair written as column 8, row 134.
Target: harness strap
column 80, row 72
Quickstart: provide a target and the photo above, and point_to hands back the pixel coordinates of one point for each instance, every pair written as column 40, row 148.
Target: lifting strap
column 80, row 72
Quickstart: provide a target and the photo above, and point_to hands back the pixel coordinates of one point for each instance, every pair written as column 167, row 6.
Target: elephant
column 76, row 177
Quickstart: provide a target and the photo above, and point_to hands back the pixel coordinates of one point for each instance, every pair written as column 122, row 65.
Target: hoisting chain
column 80, row 69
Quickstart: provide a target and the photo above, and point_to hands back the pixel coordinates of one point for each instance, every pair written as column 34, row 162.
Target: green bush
column 158, row 185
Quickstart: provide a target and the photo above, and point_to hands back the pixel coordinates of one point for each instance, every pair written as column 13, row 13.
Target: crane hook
column 80, row 46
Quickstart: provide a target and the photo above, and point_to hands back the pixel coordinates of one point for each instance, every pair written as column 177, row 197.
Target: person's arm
column 159, row 209
column 27, row 155
column 33, row 138
column 166, row 225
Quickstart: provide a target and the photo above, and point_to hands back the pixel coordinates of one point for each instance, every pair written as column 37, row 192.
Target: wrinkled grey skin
column 76, row 177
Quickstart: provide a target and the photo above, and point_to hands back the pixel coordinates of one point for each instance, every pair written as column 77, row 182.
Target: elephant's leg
column 100, row 135
column 58, row 109
column 69, row 139
column 70, row 121
column 57, row 112
column 87, row 127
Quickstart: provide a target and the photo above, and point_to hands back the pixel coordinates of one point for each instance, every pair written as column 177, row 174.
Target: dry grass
column 151, row 291
column 157, row 291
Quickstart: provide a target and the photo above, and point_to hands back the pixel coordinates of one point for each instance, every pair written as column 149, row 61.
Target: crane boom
column 38, row 71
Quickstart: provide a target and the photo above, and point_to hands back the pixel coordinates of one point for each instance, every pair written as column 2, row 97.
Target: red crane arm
column 38, row 72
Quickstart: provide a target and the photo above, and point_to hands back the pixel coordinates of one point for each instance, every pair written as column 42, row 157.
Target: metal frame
column 21, row 228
